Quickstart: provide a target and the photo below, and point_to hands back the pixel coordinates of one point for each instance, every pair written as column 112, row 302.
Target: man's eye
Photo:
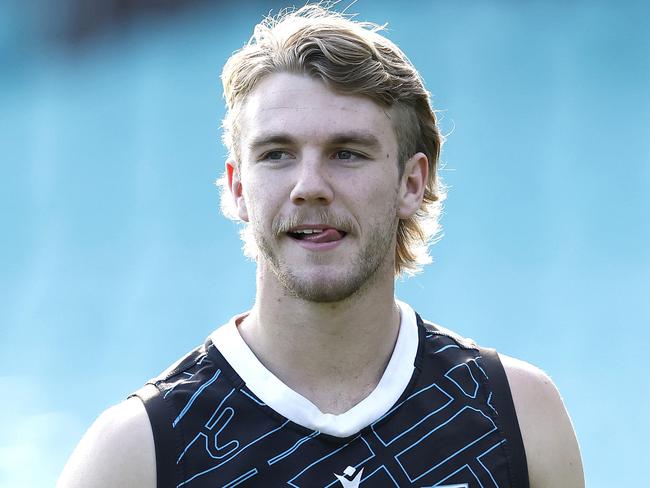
column 275, row 155
column 345, row 154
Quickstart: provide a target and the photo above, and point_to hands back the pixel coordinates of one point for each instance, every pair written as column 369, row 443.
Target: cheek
column 380, row 195
column 263, row 197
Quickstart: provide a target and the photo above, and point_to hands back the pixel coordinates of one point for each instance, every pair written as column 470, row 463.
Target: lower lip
column 318, row 246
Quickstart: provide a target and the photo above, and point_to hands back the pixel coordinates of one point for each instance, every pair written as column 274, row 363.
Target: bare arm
column 551, row 446
column 117, row 450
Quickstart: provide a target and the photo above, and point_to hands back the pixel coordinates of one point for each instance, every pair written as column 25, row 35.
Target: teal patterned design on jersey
column 443, row 431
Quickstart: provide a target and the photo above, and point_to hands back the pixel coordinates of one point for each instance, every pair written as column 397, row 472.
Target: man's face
column 318, row 185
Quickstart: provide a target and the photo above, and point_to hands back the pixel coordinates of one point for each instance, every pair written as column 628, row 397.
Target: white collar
column 293, row 406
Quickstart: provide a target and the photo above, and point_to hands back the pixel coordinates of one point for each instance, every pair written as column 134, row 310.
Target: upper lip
column 311, row 226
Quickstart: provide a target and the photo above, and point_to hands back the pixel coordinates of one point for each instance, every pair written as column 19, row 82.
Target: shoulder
column 117, row 450
column 437, row 331
column 551, row 446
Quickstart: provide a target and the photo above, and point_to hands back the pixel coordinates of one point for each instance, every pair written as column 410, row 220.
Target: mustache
column 284, row 223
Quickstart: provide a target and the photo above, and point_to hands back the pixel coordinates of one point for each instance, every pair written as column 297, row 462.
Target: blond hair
column 350, row 57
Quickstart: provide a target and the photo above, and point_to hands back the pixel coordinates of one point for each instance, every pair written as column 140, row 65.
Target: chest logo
column 347, row 479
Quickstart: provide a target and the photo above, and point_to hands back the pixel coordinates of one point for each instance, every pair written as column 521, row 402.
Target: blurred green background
column 114, row 259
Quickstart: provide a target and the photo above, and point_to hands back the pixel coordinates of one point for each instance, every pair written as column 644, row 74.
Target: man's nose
column 312, row 183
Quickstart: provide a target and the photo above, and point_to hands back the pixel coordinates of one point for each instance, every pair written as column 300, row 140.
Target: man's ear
column 412, row 185
column 236, row 189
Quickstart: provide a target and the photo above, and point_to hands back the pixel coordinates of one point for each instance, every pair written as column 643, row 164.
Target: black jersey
column 441, row 415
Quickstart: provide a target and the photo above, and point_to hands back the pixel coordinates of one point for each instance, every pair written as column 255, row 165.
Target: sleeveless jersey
column 442, row 418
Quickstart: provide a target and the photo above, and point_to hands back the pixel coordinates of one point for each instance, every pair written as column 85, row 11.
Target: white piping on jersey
column 293, row 406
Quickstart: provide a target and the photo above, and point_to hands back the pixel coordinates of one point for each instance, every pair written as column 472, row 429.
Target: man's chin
column 320, row 287
column 321, row 294
column 326, row 279
column 326, row 285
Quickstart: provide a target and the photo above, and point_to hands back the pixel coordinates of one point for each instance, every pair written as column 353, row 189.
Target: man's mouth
column 317, row 235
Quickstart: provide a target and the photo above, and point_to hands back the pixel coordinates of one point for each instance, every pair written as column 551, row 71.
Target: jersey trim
column 166, row 467
column 293, row 406
column 507, row 417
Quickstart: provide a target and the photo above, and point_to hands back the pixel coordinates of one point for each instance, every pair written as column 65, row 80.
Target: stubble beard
column 362, row 272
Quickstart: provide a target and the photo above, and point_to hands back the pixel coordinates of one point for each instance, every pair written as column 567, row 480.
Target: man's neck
column 333, row 354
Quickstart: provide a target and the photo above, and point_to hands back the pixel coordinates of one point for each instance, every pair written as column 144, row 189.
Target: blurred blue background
column 114, row 259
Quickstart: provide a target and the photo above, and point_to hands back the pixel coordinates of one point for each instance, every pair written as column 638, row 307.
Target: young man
column 328, row 380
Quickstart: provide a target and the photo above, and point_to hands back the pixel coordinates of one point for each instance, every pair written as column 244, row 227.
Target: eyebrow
column 359, row 138
column 270, row 139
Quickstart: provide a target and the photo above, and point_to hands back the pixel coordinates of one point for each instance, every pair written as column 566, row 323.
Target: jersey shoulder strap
column 164, row 438
column 502, row 401
column 167, row 442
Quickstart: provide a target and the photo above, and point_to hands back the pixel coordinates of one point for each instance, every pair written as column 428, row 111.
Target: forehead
column 310, row 111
